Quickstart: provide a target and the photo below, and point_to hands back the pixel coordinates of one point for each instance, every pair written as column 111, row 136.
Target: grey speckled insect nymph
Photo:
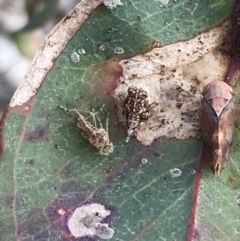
column 98, row 137
column 136, row 109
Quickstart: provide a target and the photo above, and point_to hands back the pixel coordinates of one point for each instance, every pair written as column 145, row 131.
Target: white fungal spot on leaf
column 174, row 76
column 75, row 57
column 86, row 221
column 111, row 4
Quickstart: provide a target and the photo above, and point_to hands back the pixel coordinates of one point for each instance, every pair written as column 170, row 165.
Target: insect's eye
column 131, row 89
column 143, row 95
column 132, row 93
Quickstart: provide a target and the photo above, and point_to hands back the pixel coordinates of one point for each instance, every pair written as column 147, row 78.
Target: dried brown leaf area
column 174, row 77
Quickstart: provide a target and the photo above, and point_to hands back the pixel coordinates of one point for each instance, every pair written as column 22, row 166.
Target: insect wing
column 209, row 122
column 226, row 127
column 217, row 132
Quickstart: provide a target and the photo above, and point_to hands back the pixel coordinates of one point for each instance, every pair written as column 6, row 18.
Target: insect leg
column 100, row 123
column 107, row 121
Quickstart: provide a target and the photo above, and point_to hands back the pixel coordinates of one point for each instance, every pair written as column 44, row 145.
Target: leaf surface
column 48, row 168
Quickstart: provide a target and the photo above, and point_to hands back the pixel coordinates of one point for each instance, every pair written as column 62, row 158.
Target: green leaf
column 48, row 168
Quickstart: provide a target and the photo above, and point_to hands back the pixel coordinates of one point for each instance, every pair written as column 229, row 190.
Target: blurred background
column 23, row 26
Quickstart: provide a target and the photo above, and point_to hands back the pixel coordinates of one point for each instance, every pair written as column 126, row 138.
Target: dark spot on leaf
column 35, row 224
column 39, row 133
column 107, row 170
column 232, row 179
column 196, row 234
column 9, row 201
column 2, row 122
column 30, row 162
column 110, row 30
column 138, row 18
column 69, row 197
column 179, row 105
column 235, row 32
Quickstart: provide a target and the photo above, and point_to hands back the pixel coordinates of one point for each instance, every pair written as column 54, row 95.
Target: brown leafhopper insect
column 98, row 137
column 217, row 116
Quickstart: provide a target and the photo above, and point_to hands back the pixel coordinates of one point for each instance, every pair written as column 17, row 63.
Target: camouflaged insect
column 217, row 116
column 98, row 137
column 136, row 109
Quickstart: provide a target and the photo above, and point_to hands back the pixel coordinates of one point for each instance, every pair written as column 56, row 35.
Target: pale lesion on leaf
column 174, row 76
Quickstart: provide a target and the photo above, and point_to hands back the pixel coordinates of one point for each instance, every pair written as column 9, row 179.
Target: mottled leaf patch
column 38, row 133
column 174, row 76
column 36, row 222
column 67, row 172
column 72, row 197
